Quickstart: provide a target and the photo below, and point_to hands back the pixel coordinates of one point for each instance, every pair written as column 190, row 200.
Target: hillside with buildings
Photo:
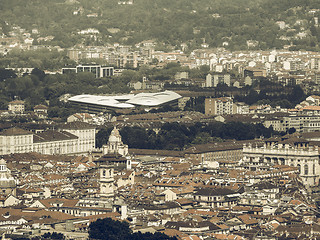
column 235, row 25
column 187, row 120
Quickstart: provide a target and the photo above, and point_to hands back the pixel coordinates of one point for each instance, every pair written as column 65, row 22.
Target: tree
column 252, row 97
column 6, row 73
column 202, row 138
column 291, row 130
column 53, row 112
column 195, row 104
column 39, row 73
column 102, row 136
column 108, row 229
column 135, row 137
column 297, row 95
column 53, row 235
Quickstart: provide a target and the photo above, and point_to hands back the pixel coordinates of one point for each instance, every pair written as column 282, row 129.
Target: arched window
column 306, row 170
column 299, row 168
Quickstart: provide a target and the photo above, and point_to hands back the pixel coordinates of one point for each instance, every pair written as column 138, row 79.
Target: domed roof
column 115, row 135
column 115, row 131
column 113, row 138
column 10, row 183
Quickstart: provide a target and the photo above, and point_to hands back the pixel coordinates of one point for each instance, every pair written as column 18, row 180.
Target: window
column 306, row 170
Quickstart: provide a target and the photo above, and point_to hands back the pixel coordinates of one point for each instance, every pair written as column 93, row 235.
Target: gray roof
column 76, row 126
column 50, row 136
column 15, row 131
column 214, row 191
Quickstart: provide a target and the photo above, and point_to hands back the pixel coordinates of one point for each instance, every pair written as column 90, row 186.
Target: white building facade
column 294, row 152
column 73, row 139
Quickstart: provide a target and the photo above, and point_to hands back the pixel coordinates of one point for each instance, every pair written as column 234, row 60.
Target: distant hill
column 234, row 24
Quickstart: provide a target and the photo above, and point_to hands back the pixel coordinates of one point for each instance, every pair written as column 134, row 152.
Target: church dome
column 115, row 135
column 7, row 183
column 113, row 138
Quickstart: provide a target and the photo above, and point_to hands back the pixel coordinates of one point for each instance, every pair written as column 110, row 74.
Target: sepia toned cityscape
column 159, row 120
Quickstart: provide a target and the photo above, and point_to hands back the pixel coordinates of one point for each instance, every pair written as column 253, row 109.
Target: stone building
column 15, row 140
column 85, row 132
column 16, row 106
column 219, row 151
column 7, row 182
column 71, row 138
column 291, row 151
column 218, row 106
column 106, row 181
column 215, row 79
column 215, row 197
column 55, row 142
column 115, row 144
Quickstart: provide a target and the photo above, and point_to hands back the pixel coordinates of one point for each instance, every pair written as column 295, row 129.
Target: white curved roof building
column 107, row 101
column 154, row 99
column 94, row 103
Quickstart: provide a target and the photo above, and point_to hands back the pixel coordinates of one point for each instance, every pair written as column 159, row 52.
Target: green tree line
column 175, row 136
column 109, row 229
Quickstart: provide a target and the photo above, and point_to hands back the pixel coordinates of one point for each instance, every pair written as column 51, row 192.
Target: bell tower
column 106, row 181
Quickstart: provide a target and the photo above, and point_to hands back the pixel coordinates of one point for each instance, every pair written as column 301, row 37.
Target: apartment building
column 215, row 79
column 98, row 70
column 16, row 106
column 218, row 106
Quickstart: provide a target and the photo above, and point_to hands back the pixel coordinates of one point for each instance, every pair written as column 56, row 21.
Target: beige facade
column 106, row 181
column 215, row 197
column 277, row 124
column 216, row 155
column 292, row 152
column 302, row 123
column 57, row 146
column 240, row 108
column 16, row 140
column 126, row 179
column 16, row 106
column 86, row 134
column 214, row 80
column 217, row 152
column 80, row 117
column 218, row 106
column 7, row 182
